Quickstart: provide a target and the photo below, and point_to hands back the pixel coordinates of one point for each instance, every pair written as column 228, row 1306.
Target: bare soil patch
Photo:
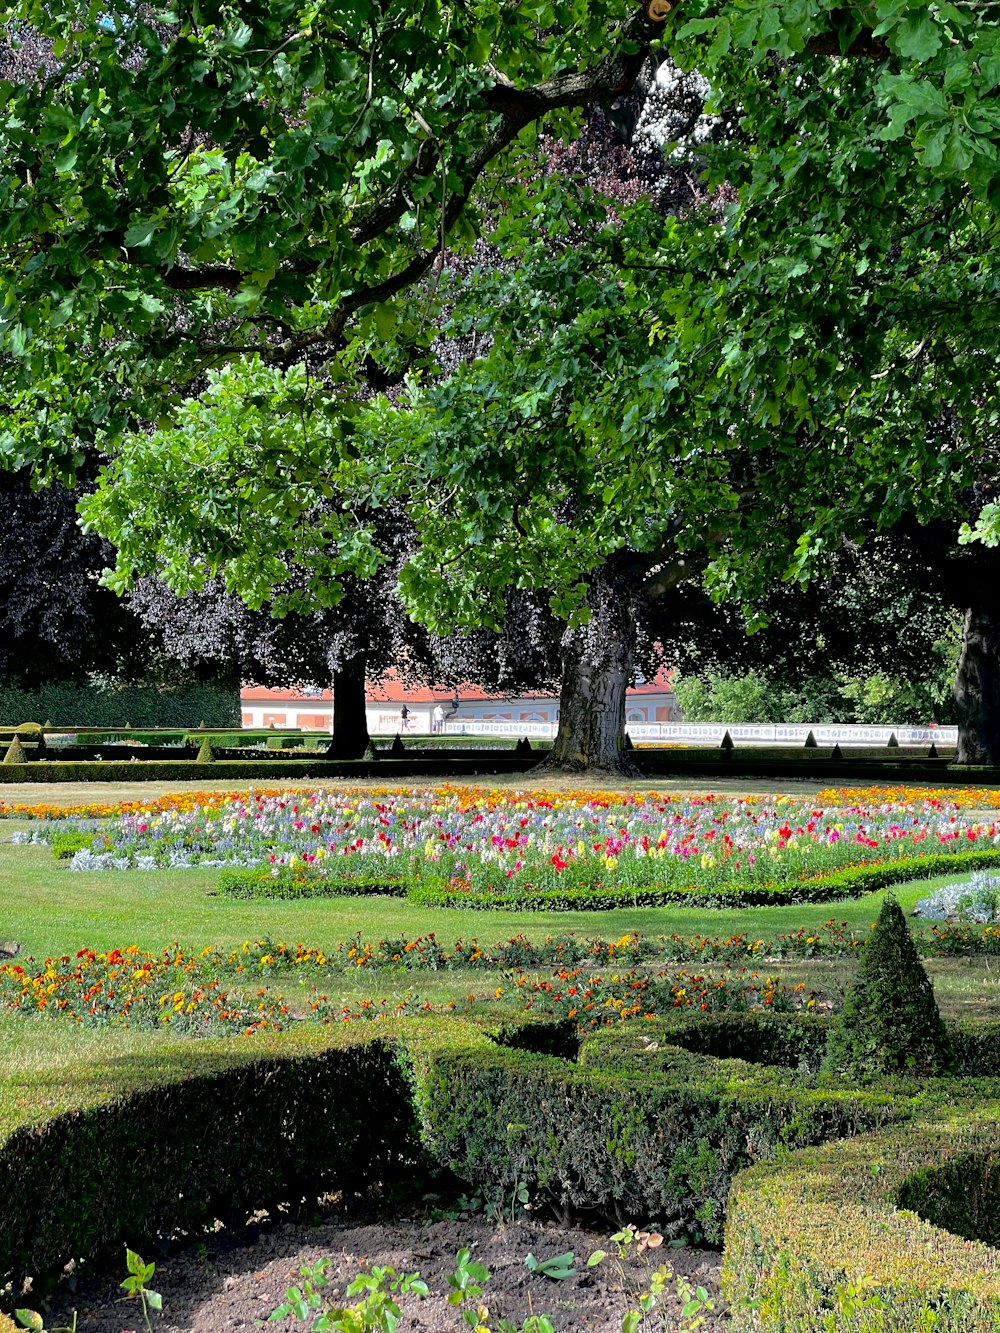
column 234, row 1281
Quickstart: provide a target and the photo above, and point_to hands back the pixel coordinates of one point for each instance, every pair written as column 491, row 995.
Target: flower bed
column 212, row 994
column 518, row 847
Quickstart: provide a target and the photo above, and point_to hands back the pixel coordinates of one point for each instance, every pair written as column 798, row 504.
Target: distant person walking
column 438, row 720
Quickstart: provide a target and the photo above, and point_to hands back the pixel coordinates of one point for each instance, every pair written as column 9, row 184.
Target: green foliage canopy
column 190, row 185
column 200, row 188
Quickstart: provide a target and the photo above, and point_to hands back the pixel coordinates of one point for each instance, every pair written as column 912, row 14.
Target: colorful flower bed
column 206, row 994
column 129, row 988
column 478, row 841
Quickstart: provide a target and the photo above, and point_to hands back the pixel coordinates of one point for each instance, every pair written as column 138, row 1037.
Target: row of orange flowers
column 979, row 798
column 174, row 991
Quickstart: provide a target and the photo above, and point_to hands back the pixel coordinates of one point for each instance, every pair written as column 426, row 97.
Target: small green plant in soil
column 134, row 1286
column 376, row 1312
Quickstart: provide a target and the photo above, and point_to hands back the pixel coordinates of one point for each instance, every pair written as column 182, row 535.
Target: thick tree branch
column 516, row 107
column 615, row 74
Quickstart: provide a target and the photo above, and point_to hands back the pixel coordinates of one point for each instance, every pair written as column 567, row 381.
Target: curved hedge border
column 803, row 1235
column 661, row 1142
column 257, row 882
column 183, row 1153
column 638, row 1128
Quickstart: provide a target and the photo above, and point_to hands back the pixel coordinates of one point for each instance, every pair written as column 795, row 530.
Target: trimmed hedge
column 220, row 1145
column 66, row 705
column 851, row 882
column 274, row 769
column 659, row 1143
column 781, row 1041
column 258, row 882
column 640, row 1129
column 843, row 1239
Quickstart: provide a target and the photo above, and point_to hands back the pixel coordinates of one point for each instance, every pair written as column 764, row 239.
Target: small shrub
column 67, row 842
column 206, row 755
column 15, row 752
column 890, row 1021
column 975, row 899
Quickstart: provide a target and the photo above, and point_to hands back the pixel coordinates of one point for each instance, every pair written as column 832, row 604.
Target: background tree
column 58, row 622
column 875, row 639
column 162, row 272
column 340, row 647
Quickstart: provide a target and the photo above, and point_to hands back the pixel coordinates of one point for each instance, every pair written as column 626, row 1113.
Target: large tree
column 198, row 188
column 181, row 187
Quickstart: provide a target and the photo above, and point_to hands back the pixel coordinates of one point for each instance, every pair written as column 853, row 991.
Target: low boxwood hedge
column 640, row 1128
column 298, row 882
column 778, row 1040
column 850, row 882
column 275, row 769
column 843, row 1238
column 179, row 1155
column 656, row 1141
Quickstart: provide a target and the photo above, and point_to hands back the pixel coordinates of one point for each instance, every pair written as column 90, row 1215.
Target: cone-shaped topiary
column 890, row 1022
column 205, row 755
column 15, row 752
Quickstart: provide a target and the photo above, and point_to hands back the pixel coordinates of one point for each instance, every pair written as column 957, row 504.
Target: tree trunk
column 350, row 720
column 977, row 687
column 597, row 669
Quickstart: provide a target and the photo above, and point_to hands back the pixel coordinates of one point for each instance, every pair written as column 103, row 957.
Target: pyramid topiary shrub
column 205, row 755
column 15, row 752
column 890, row 1022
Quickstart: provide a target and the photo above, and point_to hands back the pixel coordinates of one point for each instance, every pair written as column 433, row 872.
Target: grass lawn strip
column 53, row 1070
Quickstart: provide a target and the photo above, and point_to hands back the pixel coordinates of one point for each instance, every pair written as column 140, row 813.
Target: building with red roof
column 394, row 707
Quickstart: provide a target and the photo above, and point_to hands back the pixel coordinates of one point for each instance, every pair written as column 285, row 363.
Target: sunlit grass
column 50, row 909
column 48, row 1064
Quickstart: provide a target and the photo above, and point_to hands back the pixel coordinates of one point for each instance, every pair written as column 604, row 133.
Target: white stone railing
column 474, row 727
column 711, row 733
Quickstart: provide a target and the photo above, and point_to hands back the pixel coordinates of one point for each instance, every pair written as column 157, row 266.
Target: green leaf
column 65, row 159
column 140, row 234
column 917, row 37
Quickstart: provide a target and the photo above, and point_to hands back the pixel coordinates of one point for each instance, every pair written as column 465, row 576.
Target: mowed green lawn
column 49, row 909
column 47, row 1063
